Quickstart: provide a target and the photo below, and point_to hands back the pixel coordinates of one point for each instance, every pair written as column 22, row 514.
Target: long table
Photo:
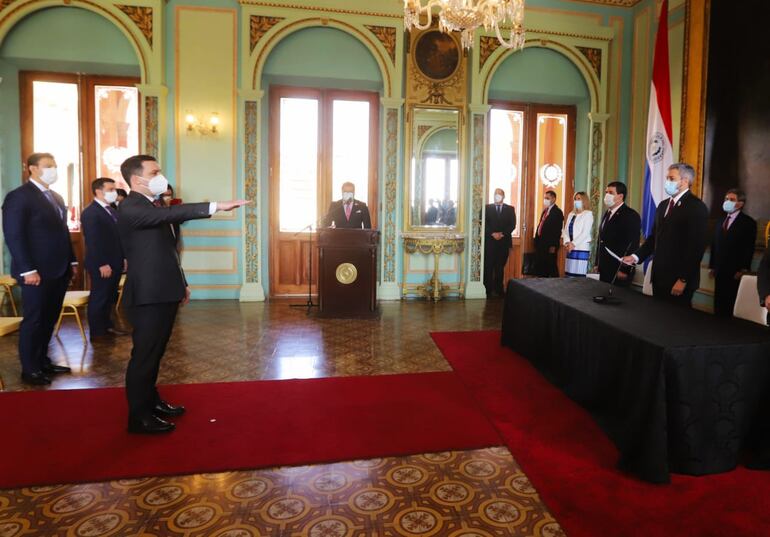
column 676, row 390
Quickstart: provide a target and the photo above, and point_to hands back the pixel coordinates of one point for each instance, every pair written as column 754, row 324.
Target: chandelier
column 465, row 16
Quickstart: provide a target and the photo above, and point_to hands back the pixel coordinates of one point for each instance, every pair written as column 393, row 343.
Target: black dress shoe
column 167, row 410
column 151, row 425
column 36, row 379
column 116, row 332
column 53, row 369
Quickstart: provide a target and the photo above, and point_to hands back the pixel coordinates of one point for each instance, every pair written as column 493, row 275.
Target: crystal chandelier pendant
column 465, row 16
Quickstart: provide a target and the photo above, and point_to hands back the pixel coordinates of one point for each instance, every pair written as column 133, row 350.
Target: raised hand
column 230, row 205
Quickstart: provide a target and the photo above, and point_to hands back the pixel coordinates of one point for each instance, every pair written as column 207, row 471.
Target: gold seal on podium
column 346, row 273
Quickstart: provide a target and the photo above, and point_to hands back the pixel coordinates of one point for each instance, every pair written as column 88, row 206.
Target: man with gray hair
column 677, row 241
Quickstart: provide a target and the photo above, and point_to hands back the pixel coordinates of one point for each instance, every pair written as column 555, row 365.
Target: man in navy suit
column 42, row 259
column 348, row 212
column 104, row 257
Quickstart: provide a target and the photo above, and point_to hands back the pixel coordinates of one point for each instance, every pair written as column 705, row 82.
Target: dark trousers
column 495, row 258
column 42, row 306
column 725, row 293
column 101, row 301
column 545, row 263
column 152, row 324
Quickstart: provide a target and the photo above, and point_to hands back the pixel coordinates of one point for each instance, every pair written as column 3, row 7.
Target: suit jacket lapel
column 42, row 199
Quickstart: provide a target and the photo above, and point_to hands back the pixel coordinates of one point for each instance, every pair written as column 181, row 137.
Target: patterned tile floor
column 480, row 493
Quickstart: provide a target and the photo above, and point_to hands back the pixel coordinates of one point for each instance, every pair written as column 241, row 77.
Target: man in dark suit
column 732, row 250
column 42, row 260
column 104, row 261
column 619, row 231
column 763, row 282
column 500, row 221
column 155, row 285
column 547, row 237
column 348, row 212
column 677, row 240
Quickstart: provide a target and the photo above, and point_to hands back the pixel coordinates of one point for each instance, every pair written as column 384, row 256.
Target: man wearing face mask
column 619, row 231
column 155, row 285
column 42, row 260
column 547, row 237
column 104, row 261
column 677, row 240
column 499, row 223
column 348, row 212
column 732, row 250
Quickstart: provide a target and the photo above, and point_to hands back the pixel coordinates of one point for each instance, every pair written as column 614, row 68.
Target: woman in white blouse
column 576, row 236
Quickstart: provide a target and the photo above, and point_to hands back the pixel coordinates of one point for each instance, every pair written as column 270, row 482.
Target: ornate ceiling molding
column 488, row 44
column 616, row 3
column 142, row 17
column 260, row 25
column 387, row 36
column 594, row 57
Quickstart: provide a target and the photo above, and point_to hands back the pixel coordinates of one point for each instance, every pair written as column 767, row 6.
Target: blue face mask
column 728, row 206
column 578, row 205
column 672, row 187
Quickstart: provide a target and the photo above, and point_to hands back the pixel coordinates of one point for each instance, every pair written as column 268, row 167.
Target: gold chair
column 120, row 293
column 8, row 325
column 7, row 282
column 72, row 301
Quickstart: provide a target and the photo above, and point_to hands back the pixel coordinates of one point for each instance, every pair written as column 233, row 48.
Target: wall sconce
column 203, row 127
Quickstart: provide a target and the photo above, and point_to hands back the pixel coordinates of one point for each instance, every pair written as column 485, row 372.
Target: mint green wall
column 538, row 75
column 312, row 57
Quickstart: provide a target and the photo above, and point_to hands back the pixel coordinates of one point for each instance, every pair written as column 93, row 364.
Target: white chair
column 747, row 303
column 592, row 276
column 647, row 285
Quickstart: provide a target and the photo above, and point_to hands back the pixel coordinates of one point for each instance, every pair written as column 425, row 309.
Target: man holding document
column 619, row 233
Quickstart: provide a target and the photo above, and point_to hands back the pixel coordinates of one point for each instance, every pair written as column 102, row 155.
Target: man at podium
column 348, row 212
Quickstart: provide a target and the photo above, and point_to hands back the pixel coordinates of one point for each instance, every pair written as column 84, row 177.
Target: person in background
column 155, row 285
column 42, row 261
column 432, row 214
column 732, row 250
column 619, row 231
column 450, row 213
column 547, row 237
column 104, row 261
column 576, row 236
column 168, row 198
column 122, row 194
column 678, row 239
column 348, row 212
column 499, row 223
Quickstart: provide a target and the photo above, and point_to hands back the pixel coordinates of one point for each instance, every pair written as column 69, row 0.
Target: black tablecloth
column 677, row 390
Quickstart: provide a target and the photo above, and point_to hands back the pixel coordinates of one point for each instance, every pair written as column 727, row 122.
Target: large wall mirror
column 434, row 169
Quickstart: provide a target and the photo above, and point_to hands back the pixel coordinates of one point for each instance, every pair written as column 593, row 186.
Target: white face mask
column 609, row 199
column 498, row 198
column 578, row 205
column 158, row 185
column 546, row 203
column 111, row 197
column 49, row 175
column 347, row 196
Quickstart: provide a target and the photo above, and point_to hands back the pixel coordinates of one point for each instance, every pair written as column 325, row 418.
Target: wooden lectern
column 347, row 272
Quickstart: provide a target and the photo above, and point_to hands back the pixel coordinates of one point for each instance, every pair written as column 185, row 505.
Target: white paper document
column 616, row 256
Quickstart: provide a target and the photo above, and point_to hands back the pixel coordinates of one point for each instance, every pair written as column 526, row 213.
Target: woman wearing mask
column 576, row 236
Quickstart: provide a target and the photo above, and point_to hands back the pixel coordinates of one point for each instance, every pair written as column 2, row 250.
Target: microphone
column 608, row 298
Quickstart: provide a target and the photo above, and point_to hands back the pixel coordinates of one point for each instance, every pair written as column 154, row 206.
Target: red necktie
column 348, row 208
column 543, row 217
column 670, row 206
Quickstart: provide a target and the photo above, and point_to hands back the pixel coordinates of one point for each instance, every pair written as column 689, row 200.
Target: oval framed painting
column 436, row 55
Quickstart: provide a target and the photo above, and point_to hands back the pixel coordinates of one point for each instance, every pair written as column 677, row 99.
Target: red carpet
column 572, row 463
column 79, row 435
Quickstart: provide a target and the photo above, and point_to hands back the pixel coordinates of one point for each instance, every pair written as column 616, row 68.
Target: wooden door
column 319, row 139
column 532, row 149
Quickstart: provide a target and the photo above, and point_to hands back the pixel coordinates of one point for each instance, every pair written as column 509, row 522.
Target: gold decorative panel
column 594, row 57
column 251, row 190
column 142, row 17
column 151, row 146
column 436, row 70
column 488, row 44
column 387, row 36
column 260, row 25
column 5, row 3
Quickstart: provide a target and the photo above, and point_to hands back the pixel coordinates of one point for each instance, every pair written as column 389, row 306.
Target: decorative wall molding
column 594, row 57
column 391, row 192
column 387, row 36
column 477, row 193
column 616, row 3
column 141, row 16
column 151, row 126
column 259, row 25
column 5, row 3
column 487, row 45
column 251, row 191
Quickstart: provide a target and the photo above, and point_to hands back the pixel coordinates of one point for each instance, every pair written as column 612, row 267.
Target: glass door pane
column 56, row 130
column 506, row 144
column 350, row 147
column 116, row 129
column 298, row 163
column 551, row 158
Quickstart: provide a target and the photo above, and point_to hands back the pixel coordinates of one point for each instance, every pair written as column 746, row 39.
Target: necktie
column 498, row 210
column 348, row 208
column 726, row 223
column 606, row 218
column 156, row 203
column 112, row 212
column 542, row 221
column 670, row 206
column 49, row 196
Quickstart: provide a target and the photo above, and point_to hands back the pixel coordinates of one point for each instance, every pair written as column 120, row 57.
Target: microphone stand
column 309, row 303
column 606, row 299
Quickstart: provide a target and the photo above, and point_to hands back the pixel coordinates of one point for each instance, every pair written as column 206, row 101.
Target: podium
column 347, row 272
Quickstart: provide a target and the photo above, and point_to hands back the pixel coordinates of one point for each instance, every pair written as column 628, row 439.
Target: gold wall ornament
column 151, row 146
column 488, row 44
column 251, row 191
column 594, row 57
column 142, row 17
column 5, row 3
column 436, row 70
column 391, row 182
column 477, row 202
column 259, row 26
column 387, row 36
column 346, row 273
